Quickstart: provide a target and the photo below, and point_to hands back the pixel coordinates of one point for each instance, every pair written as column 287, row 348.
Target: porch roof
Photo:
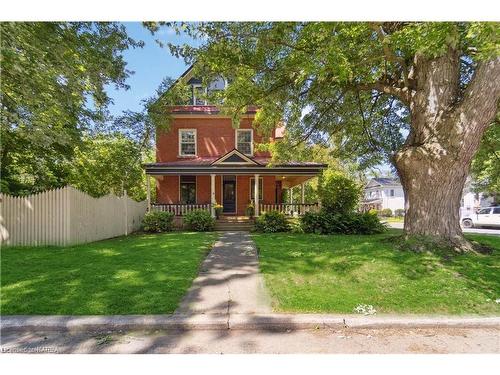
column 204, row 165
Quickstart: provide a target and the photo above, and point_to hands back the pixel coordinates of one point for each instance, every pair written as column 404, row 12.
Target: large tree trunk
column 446, row 129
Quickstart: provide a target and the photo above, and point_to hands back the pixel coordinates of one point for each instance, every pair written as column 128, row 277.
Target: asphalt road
column 465, row 230
column 346, row 340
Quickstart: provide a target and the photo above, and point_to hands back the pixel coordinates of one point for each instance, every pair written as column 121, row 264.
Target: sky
column 151, row 64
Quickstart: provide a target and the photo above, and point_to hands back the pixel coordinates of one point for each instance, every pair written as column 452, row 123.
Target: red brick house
column 202, row 160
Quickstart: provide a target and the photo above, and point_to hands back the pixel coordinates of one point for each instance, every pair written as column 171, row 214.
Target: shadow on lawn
column 345, row 255
column 132, row 275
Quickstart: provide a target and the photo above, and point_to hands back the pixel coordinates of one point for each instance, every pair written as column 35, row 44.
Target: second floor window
column 244, row 141
column 187, row 142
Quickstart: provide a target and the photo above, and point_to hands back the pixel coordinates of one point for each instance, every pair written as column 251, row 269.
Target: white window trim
column 180, row 154
column 250, row 189
column 236, row 140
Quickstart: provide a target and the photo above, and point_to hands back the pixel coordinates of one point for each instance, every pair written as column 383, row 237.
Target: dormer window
column 199, row 93
column 244, row 141
column 187, row 142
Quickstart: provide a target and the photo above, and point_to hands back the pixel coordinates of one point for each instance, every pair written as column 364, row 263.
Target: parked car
column 484, row 217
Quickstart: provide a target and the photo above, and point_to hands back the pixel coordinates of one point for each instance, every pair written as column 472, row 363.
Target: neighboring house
column 202, row 160
column 382, row 193
column 471, row 201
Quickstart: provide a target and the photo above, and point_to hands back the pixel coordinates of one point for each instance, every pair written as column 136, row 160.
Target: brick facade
column 215, row 137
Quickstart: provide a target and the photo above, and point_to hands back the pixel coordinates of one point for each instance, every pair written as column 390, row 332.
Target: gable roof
column 235, row 157
column 383, row 181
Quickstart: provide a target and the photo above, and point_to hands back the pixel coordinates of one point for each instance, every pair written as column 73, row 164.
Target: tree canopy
column 341, row 83
column 53, row 92
column 419, row 94
column 109, row 163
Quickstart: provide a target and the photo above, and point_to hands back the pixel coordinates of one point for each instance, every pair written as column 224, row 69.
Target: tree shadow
column 141, row 274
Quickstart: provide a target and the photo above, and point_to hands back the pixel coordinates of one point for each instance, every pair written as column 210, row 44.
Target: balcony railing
column 179, row 209
column 290, row 209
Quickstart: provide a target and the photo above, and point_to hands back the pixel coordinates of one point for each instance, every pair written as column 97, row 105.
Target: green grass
column 315, row 273
column 393, row 219
column 138, row 274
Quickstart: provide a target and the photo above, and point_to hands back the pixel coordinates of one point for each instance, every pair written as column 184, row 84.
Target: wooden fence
column 66, row 216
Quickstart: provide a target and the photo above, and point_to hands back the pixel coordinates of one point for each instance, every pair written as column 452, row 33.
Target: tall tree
column 52, row 91
column 110, row 163
column 422, row 94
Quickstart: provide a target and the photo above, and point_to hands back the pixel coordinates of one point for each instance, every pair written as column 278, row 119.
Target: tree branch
column 400, row 93
column 390, row 55
column 481, row 97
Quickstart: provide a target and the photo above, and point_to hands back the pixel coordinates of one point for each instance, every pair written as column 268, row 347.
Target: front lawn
column 335, row 273
column 393, row 219
column 138, row 274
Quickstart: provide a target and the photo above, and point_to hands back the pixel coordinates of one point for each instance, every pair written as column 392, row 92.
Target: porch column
column 148, row 193
column 302, row 193
column 256, row 194
column 212, row 195
column 290, row 191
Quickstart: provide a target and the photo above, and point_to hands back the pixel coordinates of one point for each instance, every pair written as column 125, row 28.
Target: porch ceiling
column 303, row 170
column 291, row 181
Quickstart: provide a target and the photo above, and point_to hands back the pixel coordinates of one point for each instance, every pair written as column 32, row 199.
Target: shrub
column 337, row 192
column 158, row 221
column 325, row 222
column 386, row 212
column 399, row 212
column 271, row 222
column 199, row 221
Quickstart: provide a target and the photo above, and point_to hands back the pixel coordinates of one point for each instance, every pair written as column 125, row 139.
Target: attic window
column 198, row 95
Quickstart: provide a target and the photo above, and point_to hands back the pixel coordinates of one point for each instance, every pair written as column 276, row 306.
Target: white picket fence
column 66, row 216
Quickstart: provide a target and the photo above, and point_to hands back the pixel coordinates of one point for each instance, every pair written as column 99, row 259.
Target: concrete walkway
column 229, row 281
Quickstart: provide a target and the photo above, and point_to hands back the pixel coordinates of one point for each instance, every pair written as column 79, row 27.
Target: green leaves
column 106, row 164
column 53, row 79
column 486, row 164
column 342, row 85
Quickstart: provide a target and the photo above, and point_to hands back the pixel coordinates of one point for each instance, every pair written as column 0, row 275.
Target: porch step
column 234, row 229
column 234, row 219
column 234, row 223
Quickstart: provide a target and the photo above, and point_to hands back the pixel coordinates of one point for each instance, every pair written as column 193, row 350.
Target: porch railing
column 179, row 209
column 290, row 209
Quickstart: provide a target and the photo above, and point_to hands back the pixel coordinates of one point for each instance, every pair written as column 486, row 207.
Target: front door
column 229, row 194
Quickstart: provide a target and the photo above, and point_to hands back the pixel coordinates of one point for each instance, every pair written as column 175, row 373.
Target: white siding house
column 382, row 193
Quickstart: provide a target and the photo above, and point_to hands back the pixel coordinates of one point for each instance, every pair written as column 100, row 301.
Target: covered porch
column 185, row 186
column 234, row 192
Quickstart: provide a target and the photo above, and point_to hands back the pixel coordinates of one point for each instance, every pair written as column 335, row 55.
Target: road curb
column 237, row 322
column 113, row 322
